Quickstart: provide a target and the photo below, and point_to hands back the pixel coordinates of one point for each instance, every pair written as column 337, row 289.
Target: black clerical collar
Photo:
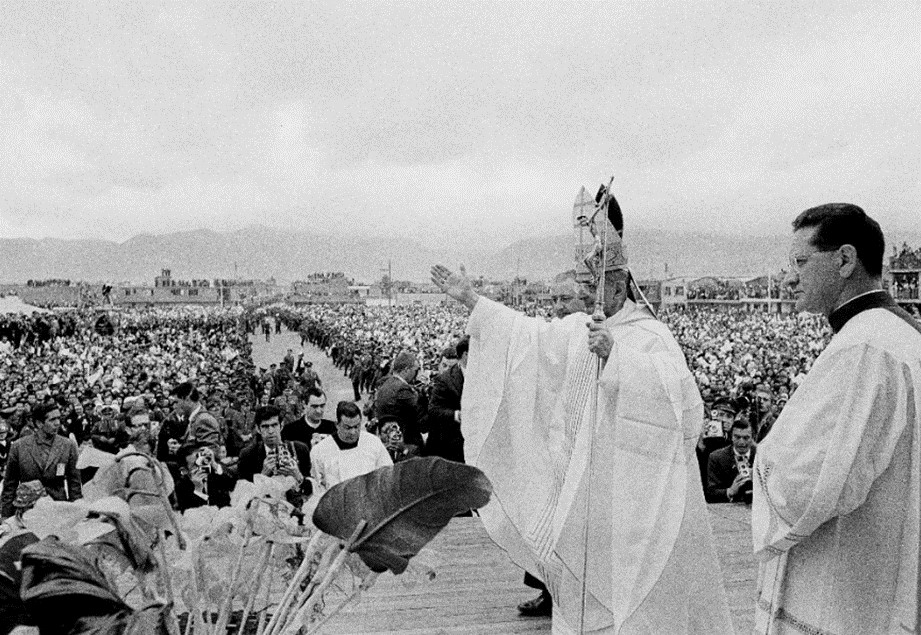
column 863, row 302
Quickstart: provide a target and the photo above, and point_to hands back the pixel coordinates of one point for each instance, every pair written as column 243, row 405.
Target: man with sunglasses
column 837, row 483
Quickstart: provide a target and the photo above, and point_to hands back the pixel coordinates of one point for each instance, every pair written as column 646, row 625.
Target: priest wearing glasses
column 835, row 514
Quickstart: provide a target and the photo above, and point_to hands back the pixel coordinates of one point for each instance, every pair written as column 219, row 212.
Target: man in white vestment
column 613, row 478
column 836, row 512
column 348, row 453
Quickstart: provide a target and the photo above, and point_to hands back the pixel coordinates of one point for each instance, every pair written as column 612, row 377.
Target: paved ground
column 477, row 587
column 337, row 386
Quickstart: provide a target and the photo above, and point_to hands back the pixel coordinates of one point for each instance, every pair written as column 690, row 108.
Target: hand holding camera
column 204, row 460
column 740, row 480
column 270, row 465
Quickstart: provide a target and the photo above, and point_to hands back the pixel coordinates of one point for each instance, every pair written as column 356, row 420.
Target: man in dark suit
column 267, row 454
column 729, row 469
column 44, row 456
column 310, row 427
column 444, row 415
column 397, row 399
column 202, row 479
column 203, row 427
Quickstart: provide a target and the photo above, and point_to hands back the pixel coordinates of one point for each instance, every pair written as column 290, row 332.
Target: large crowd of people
column 757, row 289
column 103, row 370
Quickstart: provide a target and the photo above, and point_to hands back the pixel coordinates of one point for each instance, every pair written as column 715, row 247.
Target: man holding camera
column 729, row 469
column 203, row 480
column 268, row 455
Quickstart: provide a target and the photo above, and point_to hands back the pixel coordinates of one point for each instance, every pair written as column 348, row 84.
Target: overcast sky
column 468, row 120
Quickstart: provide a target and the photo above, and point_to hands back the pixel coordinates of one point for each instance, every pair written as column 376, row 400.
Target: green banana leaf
column 404, row 506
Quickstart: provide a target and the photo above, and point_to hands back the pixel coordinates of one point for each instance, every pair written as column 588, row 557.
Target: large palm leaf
column 404, row 506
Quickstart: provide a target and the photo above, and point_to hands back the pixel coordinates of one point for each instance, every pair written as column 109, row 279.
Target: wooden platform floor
column 477, row 588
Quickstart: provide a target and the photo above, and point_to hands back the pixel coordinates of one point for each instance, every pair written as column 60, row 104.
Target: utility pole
column 516, row 293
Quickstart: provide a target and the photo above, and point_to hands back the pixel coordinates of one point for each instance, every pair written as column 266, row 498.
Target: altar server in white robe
column 631, row 521
column 836, row 483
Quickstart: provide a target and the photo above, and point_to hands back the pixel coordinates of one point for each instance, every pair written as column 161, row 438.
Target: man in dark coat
column 267, row 454
column 202, row 479
column 310, row 427
column 203, row 427
column 44, row 456
column 397, row 399
column 729, row 469
column 444, row 414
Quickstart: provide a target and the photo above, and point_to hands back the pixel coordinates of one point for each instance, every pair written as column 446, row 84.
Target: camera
column 203, row 461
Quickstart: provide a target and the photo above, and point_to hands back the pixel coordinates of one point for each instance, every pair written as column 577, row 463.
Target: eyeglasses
column 798, row 262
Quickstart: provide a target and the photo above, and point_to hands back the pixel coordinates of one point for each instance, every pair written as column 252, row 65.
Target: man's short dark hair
column 347, row 409
column 313, row 391
column 463, row 345
column 41, row 411
column 741, row 424
column 264, row 413
column 846, row 224
column 186, row 390
column 403, row 361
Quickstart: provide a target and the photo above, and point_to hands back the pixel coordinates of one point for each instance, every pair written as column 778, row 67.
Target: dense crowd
column 906, row 258
column 362, row 340
column 905, row 287
column 97, row 369
column 758, row 289
column 102, row 370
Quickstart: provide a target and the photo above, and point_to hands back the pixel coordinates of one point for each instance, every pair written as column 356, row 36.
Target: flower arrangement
column 250, row 568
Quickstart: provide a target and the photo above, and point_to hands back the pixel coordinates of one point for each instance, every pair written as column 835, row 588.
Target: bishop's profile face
column 614, row 292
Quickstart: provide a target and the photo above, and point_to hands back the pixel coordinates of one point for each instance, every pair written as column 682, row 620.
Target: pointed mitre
column 599, row 226
column 582, row 212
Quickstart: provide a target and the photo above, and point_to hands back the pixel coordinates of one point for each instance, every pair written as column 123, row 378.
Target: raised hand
column 458, row 286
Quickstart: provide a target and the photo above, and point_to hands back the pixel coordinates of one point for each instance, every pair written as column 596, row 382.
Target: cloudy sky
column 471, row 121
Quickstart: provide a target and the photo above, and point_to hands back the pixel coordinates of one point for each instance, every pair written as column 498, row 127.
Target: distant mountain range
column 261, row 252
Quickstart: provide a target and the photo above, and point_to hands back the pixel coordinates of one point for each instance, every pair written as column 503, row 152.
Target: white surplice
column 528, row 408
column 836, row 489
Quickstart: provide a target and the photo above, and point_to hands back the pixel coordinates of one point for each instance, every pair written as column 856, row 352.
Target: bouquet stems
column 366, row 584
column 226, row 606
column 314, row 593
column 299, row 576
column 267, row 551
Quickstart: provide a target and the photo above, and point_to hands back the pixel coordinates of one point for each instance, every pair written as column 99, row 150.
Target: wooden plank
column 477, row 588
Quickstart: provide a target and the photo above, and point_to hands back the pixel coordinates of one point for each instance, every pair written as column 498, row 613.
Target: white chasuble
column 529, row 405
column 836, row 489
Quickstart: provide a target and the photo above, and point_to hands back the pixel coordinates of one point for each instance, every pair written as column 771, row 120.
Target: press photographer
column 202, row 480
column 268, row 455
